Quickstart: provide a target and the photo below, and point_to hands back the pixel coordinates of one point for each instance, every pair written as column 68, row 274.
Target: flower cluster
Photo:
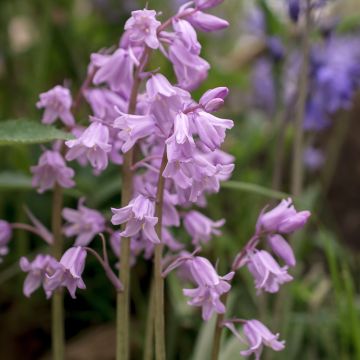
column 174, row 144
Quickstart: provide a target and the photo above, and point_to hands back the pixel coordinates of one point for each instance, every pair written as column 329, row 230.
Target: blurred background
column 44, row 43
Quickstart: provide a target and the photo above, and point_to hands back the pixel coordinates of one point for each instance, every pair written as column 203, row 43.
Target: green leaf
column 14, row 181
column 254, row 188
column 21, row 131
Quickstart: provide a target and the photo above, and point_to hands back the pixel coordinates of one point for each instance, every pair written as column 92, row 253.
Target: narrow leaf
column 21, row 131
column 253, row 188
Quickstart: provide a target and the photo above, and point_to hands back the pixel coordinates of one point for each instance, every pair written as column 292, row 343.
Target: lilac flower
column 210, row 287
column 5, row 237
column 37, row 270
column 94, row 143
column 157, row 85
column 187, row 34
column 57, row 103
column 258, row 335
column 267, row 273
column 103, row 103
column 200, row 227
column 116, row 70
column 134, row 128
column 213, row 99
column 51, row 170
column 181, row 143
column 68, row 275
column 283, row 218
column 211, row 129
column 206, row 22
column 282, row 249
column 190, row 69
column 142, row 27
column 138, row 215
column 85, row 223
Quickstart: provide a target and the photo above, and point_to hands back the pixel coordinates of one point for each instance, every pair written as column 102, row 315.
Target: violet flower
column 57, row 103
column 200, row 227
column 141, row 28
column 38, row 270
column 68, row 274
column 282, row 249
column 207, row 22
column 210, row 287
column 51, row 170
column 5, row 237
column 94, row 143
column 85, row 223
column 283, row 218
column 257, row 336
column 138, row 216
column 267, row 273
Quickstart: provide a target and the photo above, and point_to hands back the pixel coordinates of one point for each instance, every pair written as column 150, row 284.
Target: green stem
column 149, row 331
column 159, row 321
column 57, row 302
column 297, row 169
column 218, row 331
column 123, row 298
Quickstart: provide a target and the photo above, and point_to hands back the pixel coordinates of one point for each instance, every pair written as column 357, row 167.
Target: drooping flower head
column 93, row 143
column 283, row 218
column 57, row 104
column 210, row 286
column 141, row 28
column 38, row 270
column 52, row 170
column 138, row 216
column 84, row 223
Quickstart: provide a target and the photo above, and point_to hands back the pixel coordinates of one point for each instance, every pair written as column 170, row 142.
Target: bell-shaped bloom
column 282, row 219
column 116, row 70
column 94, row 143
column 51, row 170
column 37, row 270
column 213, row 99
column 257, row 336
column 282, row 249
column 57, row 104
column 181, row 142
column 190, row 69
column 5, row 237
column 206, row 22
column 138, row 216
column 142, row 28
column 158, row 84
column 267, row 273
column 180, row 171
column 84, row 223
column 200, row 227
column 134, row 128
column 68, row 275
column 210, row 287
column 187, row 34
column 103, row 103
column 211, row 129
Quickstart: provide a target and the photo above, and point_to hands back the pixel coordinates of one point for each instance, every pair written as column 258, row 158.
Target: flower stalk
column 297, row 169
column 159, row 319
column 57, row 302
